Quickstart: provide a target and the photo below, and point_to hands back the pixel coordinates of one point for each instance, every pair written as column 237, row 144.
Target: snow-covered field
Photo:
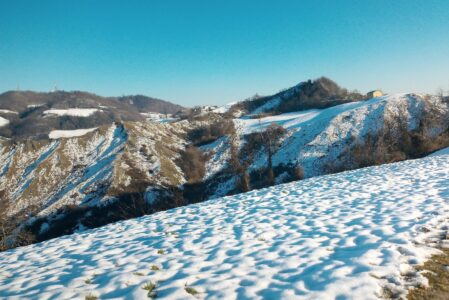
column 73, row 112
column 344, row 236
column 57, row 134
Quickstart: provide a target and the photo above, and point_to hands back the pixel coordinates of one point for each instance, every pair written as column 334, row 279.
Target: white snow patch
column 57, row 134
column 343, row 236
column 158, row 117
column 224, row 109
column 35, row 105
column 7, row 111
column 74, row 112
column 3, row 122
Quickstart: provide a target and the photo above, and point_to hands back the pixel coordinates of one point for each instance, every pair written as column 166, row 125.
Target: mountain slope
column 353, row 235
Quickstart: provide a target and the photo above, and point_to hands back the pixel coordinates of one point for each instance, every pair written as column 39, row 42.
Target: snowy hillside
column 90, row 167
column 347, row 236
column 319, row 137
column 85, row 167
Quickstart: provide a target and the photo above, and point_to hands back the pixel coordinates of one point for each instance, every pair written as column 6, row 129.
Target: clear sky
column 213, row 52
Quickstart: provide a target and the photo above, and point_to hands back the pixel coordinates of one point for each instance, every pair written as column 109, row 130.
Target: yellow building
column 374, row 94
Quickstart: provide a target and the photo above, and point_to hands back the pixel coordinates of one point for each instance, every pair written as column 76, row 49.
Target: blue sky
column 214, row 52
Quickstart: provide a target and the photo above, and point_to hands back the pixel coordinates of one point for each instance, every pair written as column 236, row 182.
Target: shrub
column 192, row 162
column 299, row 172
column 210, row 132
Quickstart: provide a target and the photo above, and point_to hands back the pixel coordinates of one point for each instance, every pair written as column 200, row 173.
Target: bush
column 192, row 163
column 211, row 132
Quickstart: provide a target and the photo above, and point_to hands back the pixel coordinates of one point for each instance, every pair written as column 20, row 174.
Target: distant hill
column 33, row 114
column 318, row 93
column 146, row 104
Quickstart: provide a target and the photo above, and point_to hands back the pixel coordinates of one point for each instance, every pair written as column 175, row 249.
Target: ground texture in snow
column 73, row 112
column 57, row 134
column 344, row 236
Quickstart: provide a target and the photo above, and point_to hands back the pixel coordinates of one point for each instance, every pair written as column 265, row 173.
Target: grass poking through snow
column 155, row 268
column 91, row 296
column 190, row 290
column 150, row 287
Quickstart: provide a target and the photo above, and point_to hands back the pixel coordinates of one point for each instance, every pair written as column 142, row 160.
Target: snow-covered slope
column 319, row 137
column 323, row 141
column 87, row 166
column 346, row 236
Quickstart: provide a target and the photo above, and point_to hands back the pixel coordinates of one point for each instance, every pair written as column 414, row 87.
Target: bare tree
column 271, row 141
column 244, row 182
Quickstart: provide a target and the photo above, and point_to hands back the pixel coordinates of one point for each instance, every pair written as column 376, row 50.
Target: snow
column 3, row 122
column 219, row 152
column 73, row 112
column 224, row 109
column 343, row 236
column 7, row 111
column 29, row 172
column 57, row 134
column 158, row 117
column 35, row 105
column 444, row 151
column 297, row 119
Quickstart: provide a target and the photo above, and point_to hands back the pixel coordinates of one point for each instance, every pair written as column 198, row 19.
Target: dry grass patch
column 190, row 290
column 91, row 296
column 437, row 272
column 155, row 268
